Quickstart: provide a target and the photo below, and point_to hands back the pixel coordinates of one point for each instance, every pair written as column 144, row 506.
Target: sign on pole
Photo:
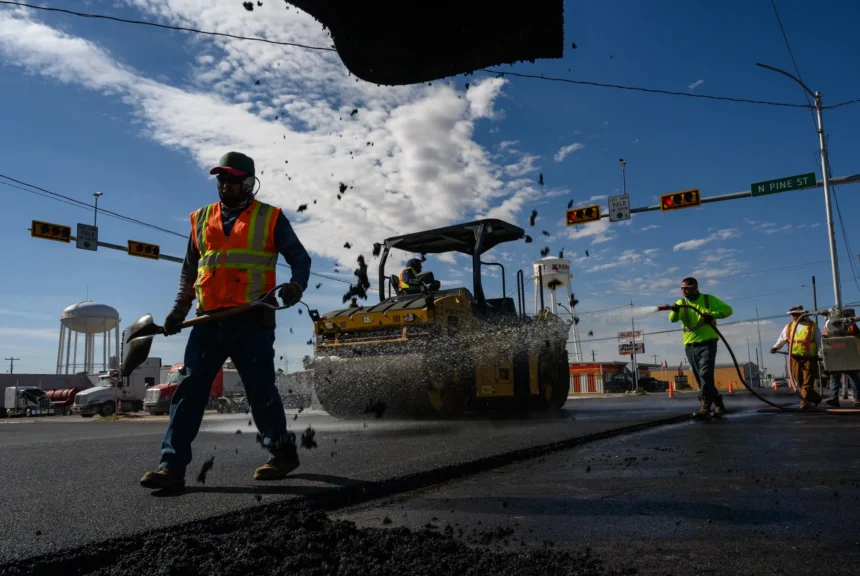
column 619, row 207
column 784, row 184
column 87, row 237
column 628, row 348
column 115, row 376
column 630, row 336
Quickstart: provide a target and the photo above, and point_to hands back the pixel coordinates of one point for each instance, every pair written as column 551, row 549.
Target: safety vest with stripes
column 403, row 284
column 803, row 343
column 240, row 268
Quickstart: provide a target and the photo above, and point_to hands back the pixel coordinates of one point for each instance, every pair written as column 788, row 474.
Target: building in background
column 723, row 373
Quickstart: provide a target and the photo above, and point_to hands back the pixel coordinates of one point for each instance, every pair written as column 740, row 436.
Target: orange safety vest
column 803, row 343
column 405, row 285
column 240, row 268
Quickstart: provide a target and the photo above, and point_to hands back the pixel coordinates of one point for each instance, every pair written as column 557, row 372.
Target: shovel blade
column 145, row 326
column 134, row 353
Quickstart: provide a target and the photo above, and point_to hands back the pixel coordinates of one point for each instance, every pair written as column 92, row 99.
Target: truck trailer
column 226, row 395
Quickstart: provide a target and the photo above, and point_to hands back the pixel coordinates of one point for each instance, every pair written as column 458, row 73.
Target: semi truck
column 226, row 395
column 127, row 395
column 27, row 401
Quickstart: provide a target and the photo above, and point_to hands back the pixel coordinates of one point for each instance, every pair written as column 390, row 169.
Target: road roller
column 433, row 353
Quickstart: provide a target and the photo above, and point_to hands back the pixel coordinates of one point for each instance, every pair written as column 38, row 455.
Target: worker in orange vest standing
column 804, row 353
column 852, row 378
column 232, row 252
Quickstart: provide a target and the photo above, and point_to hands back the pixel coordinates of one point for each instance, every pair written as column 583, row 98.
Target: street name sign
column 87, row 237
column 619, row 207
column 784, row 184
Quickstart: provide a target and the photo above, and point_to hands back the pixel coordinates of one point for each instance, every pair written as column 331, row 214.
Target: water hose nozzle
column 663, row 308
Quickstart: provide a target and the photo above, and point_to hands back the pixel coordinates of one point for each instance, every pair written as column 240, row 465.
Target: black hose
column 735, row 361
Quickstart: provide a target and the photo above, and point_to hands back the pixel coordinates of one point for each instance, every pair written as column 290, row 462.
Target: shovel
column 140, row 334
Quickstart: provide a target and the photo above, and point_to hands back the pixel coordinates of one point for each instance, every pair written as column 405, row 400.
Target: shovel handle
column 230, row 312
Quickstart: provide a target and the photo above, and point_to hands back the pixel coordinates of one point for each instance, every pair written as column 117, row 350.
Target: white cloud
column 649, row 227
column 695, row 85
column 598, row 198
column 650, row 251
column 505, row 144
column 524, row 166
column 699, row 242
column 424, row 169
column 636, row 140
column 41, row 333
column 565, row 150
column 24, row 314
column 626, row 258
column 599, row 231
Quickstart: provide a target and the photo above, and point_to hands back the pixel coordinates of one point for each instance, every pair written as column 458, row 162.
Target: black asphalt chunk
column 207, row 466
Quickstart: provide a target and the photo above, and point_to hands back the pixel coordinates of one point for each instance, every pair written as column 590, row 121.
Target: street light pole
column 825, row 177
column 96, row 213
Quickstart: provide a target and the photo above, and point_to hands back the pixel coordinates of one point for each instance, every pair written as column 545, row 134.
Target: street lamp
column 96, row 214
column 825, row 175
column 623, row 175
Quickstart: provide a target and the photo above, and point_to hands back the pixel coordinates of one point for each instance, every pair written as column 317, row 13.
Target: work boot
column 833, row 401
column 720, row 409
column 163, row 479
column 278, row 467
column 805, row 405
column 704, row 410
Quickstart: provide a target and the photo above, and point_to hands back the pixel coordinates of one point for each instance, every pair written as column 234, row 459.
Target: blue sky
column 139, row 114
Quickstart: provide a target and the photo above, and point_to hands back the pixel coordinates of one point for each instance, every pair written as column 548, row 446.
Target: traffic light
column 676, row 200
column 583, row 215
column 50, row 231
column 142, row 249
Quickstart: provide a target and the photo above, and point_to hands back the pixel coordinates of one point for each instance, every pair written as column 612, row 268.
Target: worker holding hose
column 804, row 353
column 232, row 252
column 698, row 313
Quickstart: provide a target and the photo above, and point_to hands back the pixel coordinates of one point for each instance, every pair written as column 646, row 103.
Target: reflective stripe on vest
column 405, row 285
column 803, row 343
column 240, row 268
column 685, row 315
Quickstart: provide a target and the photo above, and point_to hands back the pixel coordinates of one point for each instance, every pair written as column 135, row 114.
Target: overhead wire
column 485, row 70
column 39, row 191
column 166, row 26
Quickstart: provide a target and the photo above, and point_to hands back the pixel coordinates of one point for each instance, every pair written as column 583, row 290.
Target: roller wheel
column 449, row 386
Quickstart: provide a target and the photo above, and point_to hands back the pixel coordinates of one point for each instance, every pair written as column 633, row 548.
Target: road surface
column 69, row 483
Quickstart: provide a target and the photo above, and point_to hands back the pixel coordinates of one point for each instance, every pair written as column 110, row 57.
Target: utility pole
column 633, row 356
column 655, row 358
column 758, row 328
column 96, row 214
column 593, row 358
column 623, row 175
column 12, row 364
column 814, row 300
column 825, row 177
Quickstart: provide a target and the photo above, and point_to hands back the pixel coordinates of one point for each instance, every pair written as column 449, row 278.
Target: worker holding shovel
column 230, row 263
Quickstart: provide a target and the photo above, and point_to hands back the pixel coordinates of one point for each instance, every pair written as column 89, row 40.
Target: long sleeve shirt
column 783, row 336
column 286, row 242
column 695, row 331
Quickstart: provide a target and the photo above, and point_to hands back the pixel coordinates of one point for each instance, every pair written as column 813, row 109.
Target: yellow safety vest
column 803, row 343
column 404, row 285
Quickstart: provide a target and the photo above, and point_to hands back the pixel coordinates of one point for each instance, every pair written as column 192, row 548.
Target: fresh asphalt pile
column 305, row 542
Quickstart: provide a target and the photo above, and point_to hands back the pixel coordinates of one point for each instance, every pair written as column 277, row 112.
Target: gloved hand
column 708, row 318
column 773, row 350
column 290, row 294
column 675, row 308
column 172, row 322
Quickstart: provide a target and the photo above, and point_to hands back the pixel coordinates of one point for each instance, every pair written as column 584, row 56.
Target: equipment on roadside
column 440, row 352
column 111, row 396
column 226, row 394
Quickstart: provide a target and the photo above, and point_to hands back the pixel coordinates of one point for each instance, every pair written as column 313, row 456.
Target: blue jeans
column 703, row 358
column 836, row 383
column 252, row 350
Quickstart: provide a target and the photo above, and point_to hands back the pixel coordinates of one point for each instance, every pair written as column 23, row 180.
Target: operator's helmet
column 415, row 264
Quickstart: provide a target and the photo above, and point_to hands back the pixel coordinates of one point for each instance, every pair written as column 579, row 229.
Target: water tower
column 555, row 274
column 89, row 319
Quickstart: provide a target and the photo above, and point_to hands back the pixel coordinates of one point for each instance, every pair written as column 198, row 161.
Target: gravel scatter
column 307, row 542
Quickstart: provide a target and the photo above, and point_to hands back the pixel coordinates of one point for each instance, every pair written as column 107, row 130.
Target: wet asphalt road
column 67, row 482
column 752, row 494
